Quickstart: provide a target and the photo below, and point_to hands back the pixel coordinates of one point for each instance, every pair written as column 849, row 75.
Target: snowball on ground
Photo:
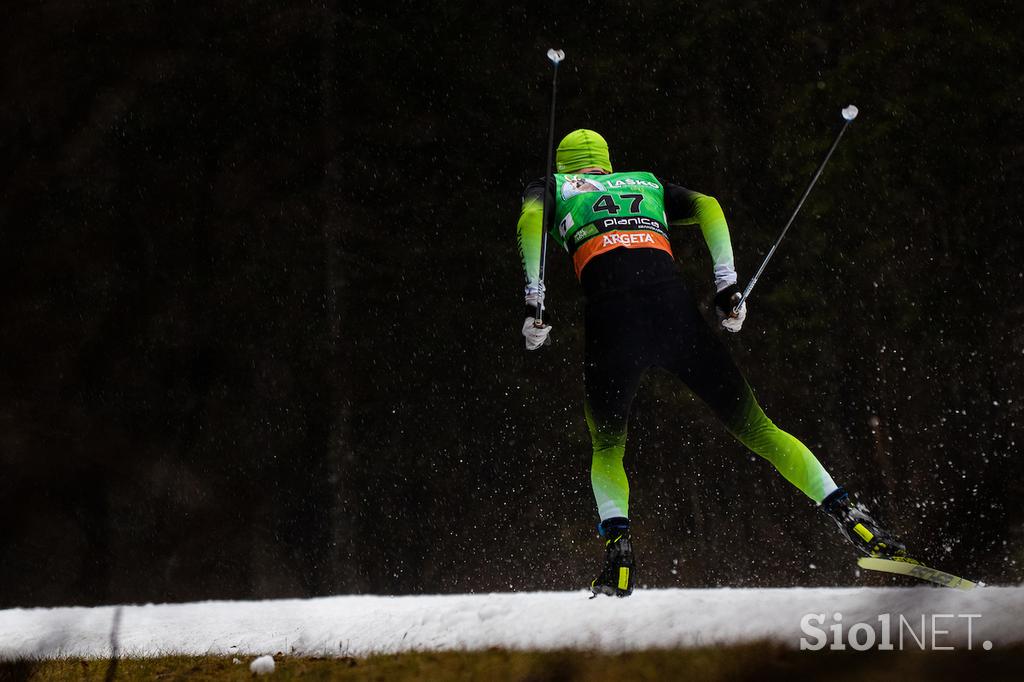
column 264, row 665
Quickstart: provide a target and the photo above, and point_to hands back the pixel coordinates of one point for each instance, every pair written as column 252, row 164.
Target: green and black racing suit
column 640, row 314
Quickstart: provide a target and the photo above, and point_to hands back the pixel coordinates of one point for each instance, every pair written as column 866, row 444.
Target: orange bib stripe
column 615, row 239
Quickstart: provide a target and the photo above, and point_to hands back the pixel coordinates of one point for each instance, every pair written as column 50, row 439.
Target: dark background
column 261, row 296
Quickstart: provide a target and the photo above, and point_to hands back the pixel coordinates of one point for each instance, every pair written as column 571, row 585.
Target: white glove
column 724, row 302
column 735, row 323
column 535, row 336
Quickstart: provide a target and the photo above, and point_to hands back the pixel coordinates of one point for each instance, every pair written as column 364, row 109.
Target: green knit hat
column 582, row 149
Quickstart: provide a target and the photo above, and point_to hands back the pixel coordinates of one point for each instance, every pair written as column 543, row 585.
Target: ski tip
column 915, row 569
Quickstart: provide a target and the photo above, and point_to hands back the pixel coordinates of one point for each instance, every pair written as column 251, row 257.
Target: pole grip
column 737, row 301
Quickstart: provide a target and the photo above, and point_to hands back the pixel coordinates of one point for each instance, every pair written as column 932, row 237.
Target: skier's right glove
column 725, row 300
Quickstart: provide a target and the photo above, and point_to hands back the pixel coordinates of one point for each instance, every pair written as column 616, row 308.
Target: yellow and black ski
column 917, row 570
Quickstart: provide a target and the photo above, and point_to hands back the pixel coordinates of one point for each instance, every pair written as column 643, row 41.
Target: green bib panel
column 588, row 205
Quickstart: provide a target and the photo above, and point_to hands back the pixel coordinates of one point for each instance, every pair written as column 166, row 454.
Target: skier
column 639, row 314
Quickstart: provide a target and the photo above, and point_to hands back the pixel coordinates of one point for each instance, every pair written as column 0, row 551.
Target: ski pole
column 849, row 113
column 555, row 56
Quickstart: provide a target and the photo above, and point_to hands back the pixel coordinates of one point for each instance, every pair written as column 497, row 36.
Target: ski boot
column 618, row 575
column 861, row 530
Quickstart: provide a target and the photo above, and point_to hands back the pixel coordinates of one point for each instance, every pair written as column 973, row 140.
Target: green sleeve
column 528, row 236
column 686, row 207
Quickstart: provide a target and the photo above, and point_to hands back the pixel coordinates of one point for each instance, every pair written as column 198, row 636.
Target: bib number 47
column 606, row 203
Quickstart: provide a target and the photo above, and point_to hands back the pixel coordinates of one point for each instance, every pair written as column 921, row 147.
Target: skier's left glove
column 725, row 300
column 536, row 336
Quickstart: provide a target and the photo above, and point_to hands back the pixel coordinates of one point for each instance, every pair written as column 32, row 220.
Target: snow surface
column 362, row 625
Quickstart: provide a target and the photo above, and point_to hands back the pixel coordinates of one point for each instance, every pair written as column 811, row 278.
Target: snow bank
column 362, row 625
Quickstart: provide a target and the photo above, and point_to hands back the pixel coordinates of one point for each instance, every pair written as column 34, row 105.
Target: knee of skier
column 749, row 423
column 607, row 433
column 754, row 431
column 608, row 444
